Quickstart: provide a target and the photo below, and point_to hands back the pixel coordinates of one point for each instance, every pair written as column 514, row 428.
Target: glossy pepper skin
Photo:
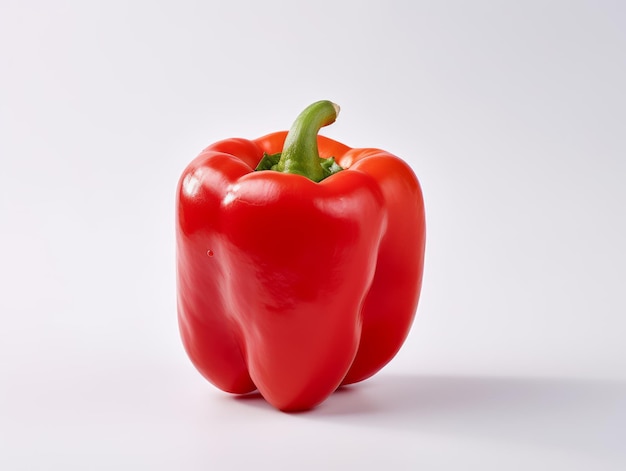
column 291, row 286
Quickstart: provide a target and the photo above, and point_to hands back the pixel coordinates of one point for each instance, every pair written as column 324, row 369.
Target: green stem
column 300, row 154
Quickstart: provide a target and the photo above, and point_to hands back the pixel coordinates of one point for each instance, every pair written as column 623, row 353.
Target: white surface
column 513, row 117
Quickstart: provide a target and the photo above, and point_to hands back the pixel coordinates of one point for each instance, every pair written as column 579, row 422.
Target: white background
column 513, row 116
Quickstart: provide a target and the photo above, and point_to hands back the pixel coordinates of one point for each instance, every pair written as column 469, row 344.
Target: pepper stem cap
column 300, row 154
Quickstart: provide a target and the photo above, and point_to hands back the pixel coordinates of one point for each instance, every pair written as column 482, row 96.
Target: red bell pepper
column 303, row 275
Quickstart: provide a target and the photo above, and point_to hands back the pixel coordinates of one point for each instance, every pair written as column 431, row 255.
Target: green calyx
column 271, row 161
column 300, row 155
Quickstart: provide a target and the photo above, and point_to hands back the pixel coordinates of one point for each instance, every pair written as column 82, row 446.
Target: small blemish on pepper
column 209, row 253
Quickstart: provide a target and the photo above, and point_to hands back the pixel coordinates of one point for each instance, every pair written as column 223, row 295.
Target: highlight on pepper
column 314, row 267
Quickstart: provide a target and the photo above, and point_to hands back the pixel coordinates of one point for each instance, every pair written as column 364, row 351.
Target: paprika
column 299, row 261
